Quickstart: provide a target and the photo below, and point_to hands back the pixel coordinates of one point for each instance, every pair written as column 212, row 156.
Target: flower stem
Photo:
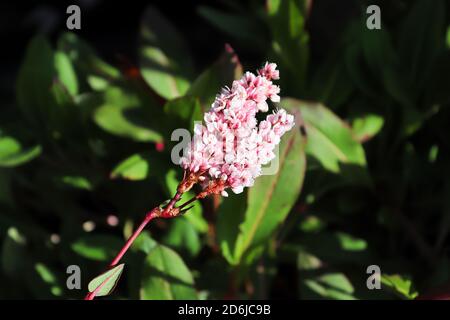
column 148, row 217
column 155, row 213
column 188, row 202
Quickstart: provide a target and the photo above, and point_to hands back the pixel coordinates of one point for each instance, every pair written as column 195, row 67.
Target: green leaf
column 366, row 127
column 350, row 243
column 380, row 57
column 88, row 65
column 134, row 167
column 46, row 86
column 164, row 58
column 269, row 201
column 34, row 80
column 12, row 154
column 182, row 235
column 78, row 182
column 329, row 286
column 337, row 247
column 421, row 39
column 166, row 277
column 239, row 26
column 144, row 242
column 66, row 72
column 329, row 139
column 447, row 42
column 14, row 255
column 312, row 224
column 230, row 216
column 107, row 281
column 354, row 60
column 48, row 281
column 377, row 48
column 401, row 285
column 120, row 115
column 97, row 247
column 331, row 83
column 287, row 20
column 307, row 261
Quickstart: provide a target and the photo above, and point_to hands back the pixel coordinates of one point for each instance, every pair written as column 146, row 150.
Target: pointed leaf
column 105, row 283
column 12, row 154
column 329, row 139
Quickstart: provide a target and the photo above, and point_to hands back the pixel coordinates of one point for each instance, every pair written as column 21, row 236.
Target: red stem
column 148, row 217
column 172, row 202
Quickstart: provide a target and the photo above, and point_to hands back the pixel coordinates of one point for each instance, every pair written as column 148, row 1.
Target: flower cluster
column 232, row 146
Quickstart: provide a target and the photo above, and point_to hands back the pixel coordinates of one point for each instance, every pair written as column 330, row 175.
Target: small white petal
column 238, row 190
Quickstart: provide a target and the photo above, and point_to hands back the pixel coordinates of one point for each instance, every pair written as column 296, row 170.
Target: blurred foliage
column 362, row 180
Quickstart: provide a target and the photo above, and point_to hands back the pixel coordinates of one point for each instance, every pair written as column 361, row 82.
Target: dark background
column 112, row 28
column 400, row 219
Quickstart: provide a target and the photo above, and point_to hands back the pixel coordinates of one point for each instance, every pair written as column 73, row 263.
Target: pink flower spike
column 230, row 149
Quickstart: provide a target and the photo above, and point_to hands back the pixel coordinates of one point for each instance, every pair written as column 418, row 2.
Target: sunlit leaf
column 166, row 277
column 97, row 247
column 78, row 182
column 48, row 279
column 330, row 286
column 365, row 127
column 164, row 58
column 116, row 116
column 12, row 154
column 134, row 167
column 94, row 70
column 350, row 243
column 66, row 72
column 329, row 139
column 106, row 282
column 400, row 285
